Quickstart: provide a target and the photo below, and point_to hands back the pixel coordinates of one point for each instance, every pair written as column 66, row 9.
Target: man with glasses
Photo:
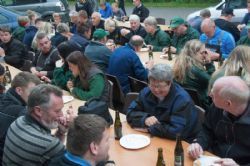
column 164, row 109
column 45, row 59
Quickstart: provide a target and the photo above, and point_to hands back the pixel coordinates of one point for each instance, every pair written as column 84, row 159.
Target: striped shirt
column 29, row 143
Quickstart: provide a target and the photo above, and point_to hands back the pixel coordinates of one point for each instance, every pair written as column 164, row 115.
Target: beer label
column 178, row 161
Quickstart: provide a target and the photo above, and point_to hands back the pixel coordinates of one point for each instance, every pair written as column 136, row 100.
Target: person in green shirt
column 88, row 81
column 193, row 69
column 183, row 32
column 155, row 38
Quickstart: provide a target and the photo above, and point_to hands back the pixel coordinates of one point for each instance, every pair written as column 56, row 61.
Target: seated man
column 135, row 28
column 105, row 9
column 87, row 142
column 97, row 52
column 13, row 102
column 219, row 42
column 182, row 33
column 97, row 22
column 45, row 59
column 125, row 62
column 245, row 40
column 12, row 51
column 29, row 140
column 155, row 38
column 225, row 131
column 140, row 10
column 164, row 108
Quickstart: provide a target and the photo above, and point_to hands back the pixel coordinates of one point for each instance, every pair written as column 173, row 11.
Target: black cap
column 227, row 11
column 2, row 70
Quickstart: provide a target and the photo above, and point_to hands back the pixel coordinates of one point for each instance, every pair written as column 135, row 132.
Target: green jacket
column 244, row 41
column 179, row 41
column 96, row 87
column 198, row 79
column 19, row 33
column 159, row 40
column 61, row 77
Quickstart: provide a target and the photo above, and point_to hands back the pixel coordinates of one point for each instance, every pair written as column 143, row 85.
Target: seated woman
column 156, row 38
column 110, row 25
column 193, row 69
column 238, row 64
column 88, row 81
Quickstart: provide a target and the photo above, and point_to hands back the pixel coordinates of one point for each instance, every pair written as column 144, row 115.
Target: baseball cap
column 100, row 33
column 227, row 11
column 177, row 21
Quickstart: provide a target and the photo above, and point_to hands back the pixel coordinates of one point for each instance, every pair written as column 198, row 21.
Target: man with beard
column 29, row 140
column 87, row 142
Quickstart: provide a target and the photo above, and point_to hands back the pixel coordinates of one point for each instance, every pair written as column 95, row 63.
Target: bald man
column 218, row 42
column 226, row 129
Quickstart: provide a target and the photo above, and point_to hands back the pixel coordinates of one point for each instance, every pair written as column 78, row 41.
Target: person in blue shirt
column 87, row 142
column 219, row 43
column 105, row 9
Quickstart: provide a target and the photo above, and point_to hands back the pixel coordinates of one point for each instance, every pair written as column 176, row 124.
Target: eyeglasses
column 203, row 52
column 158, row 86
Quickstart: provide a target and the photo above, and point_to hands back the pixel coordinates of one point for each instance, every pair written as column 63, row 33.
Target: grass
column 166, row 4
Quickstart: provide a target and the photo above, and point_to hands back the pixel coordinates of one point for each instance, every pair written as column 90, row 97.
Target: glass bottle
column 7, row 75
column 117, row 126
column 169, row 53
column 160, row 160
column 150, row 53
column 178, row 152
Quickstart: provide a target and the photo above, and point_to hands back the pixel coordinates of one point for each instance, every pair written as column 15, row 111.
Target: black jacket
column 140, row 31
column 226, row 136
column 11, row 107
column 141, row 11
column 84, row 6
column 15, row 53
column 229, row 27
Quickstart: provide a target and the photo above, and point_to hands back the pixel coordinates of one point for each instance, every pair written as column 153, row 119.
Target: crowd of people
column 75, row 56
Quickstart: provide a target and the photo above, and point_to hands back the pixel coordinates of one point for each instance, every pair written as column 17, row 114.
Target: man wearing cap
column 219, row 43
column 182, row 33
column 245, row 40
column 97, row 52
column 224, row 23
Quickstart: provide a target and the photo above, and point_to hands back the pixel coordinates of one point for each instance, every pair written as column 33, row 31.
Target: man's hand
column 151, row 121
column 124, row 31
column 213, row 55
column 43, row 73
column 195, row 150
column 45, row 79
column 226, row 162
column 70, row 85
column 2, row 52
column 172, row 49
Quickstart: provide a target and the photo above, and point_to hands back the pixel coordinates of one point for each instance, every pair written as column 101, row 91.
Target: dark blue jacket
column 79, row 42
column 30, row 32
column 125, row 62
column 176, row 113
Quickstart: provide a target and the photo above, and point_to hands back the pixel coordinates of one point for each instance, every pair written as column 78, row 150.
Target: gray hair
column 73, row 13
column 97, row 14
column 205, row 13
column 110, row 23
column 150, row 20
column 136, row 41
column 161, row 72
column 62, row 27
column 40, row 96
column 134, row 17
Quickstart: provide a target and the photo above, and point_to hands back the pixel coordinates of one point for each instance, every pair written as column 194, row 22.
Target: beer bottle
column 117, row 126
column 150, row 54
column 169, row 53
column 7, row 75
column 178, row 152
column 160, row 160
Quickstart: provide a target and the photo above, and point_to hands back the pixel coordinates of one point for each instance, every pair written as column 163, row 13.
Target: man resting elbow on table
column 164, row 108
column 225, row 130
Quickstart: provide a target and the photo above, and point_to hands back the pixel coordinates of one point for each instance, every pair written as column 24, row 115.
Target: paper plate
column 206, row 161
column 144, row 49
column 134, row 141
column 67, row 99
